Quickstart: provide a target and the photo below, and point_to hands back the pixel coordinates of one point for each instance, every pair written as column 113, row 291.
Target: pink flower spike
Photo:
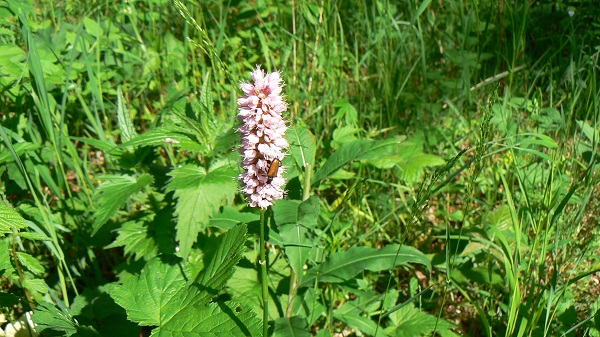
column 263, row 142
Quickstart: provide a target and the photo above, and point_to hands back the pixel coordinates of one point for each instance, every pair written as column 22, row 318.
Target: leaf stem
column 263, row 274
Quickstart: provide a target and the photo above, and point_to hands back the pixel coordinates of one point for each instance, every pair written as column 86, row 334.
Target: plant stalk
column 263, row 274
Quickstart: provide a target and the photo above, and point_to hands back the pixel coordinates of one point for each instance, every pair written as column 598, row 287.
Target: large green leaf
column 215, row 319
column 112, row 195
column 199, row 195
column 163, row 295
column 355, row 150
column 158, row 293
column 342, row 266
column 295, row 220
column 221, row 262
column 296, row 326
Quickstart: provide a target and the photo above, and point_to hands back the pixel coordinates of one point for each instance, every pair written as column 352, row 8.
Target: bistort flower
column 263, row 141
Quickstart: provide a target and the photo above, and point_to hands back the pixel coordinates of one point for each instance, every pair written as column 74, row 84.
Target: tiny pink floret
column 263, row 137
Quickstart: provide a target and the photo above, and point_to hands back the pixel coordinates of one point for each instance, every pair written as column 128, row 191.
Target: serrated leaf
column 10, row 219
column 6, row 265
column 215, row 319
column 37, row 285
column 199, row 194
column 295, row 326
column 34, row 236
column 112, row 195
column 342, row 266
column 133, row 236
column 158, row 293
column 221, row 262
column 147, row 236
column 123, row 120
column 162, row 289
column 355, row 150
column 30, row 262
column 47, row 316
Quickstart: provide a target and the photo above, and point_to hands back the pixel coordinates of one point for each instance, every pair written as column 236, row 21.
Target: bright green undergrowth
column 442, row 175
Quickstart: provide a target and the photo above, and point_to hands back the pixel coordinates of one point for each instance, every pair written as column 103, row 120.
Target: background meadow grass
column 495, row 179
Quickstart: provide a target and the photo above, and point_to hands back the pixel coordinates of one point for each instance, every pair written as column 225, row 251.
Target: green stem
column 263, row 275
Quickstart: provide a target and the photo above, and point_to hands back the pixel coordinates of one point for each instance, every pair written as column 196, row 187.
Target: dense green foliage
column 442, row 175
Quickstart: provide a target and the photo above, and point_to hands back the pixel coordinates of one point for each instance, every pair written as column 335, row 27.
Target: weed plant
column 442, row 176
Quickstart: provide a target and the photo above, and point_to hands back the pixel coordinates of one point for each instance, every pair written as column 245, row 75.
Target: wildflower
column 263, row 142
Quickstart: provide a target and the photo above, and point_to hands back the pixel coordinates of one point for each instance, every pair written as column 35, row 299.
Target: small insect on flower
column 273, row 169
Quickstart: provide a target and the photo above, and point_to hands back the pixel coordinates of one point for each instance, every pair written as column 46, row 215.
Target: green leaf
column 295, row 326
column 409, row 321
column 346, row 112
column 148, row 236
column 221, row 262
column 302, row 146
column 229, row 217
column 10, row 219
column 37, row 285
column 6, row 265
column 158, row 293
column 294, row 221
column 12, row 59
column 350, row 314
column 199, row 194
column 30, row 262
column 133, row 235
column 34, row 236
column 344, row 135
column 215, row 319
column 355, row 150
column 48, row 317
column 123, row 119
column 412, row 168
column 162, row 136
column 163, row 289
column 342, row 266
column 112, row 195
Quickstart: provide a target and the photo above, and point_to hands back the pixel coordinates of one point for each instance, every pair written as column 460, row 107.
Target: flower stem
column 263, row 274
